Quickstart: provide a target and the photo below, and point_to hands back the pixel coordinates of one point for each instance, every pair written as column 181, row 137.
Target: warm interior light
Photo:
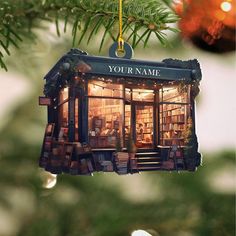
column 226, row 6
column 50, row 181
column 66, row 89
column 94, row 88
column 140, row 96
column 140, row 233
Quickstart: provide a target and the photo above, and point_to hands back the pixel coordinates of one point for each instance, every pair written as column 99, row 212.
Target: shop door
column 143, row 125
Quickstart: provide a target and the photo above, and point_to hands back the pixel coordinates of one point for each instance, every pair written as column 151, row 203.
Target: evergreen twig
column 87, row 17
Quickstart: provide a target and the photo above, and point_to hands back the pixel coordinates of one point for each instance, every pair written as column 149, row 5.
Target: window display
column 174, row 113
column 143, row 95
column 102, row 89
column 128, row 94
column 127, row 121
column 105, row 122
column 77, row 119
column 63, row 115
column 144, row 126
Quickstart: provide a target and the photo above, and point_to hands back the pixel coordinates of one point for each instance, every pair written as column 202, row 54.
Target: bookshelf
column 174, row 110
column 127, row 121
column 144, row 125
column 105, row 122
column 47, row 145
column 172, row 124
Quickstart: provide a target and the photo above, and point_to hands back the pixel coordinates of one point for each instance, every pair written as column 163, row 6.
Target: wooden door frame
column 133, row 120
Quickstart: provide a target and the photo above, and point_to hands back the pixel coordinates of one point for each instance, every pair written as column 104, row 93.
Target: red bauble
column 210, row 25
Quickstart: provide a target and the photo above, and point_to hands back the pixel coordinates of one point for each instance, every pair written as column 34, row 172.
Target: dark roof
column 75, row 57
column 76, row 62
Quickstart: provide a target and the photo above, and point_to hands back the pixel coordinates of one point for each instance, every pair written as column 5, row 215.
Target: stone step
column 149, row 163
column 149, row 168
column 147, row 154
column 148, row 159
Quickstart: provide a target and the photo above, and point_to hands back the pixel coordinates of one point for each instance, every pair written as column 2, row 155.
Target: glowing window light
column 140, row 233
column 226, row 6
column 51, row 181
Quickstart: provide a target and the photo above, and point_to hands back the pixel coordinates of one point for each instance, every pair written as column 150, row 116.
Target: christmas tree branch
column 141, row 19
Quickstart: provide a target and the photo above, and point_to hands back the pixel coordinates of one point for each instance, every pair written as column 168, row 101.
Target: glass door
column 144, row 126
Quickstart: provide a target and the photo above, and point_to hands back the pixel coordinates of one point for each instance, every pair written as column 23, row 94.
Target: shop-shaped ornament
column 121, row 115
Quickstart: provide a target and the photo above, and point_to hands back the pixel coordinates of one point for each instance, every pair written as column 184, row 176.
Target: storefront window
column 76, row 119
column 63, row 115
column 105, row 122
column 176, row 94
column 102, row 89
column 128, row 94
column 143, row 95
column 144, row 126
column 174, row 114
column 127, row 121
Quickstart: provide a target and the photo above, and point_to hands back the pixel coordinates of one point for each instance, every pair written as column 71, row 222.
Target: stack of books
column 133, row 164
column 121, row 160
column 44, row 160
column 107, row 166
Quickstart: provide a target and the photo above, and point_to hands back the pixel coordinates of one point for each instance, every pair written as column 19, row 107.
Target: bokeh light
column 51, row 181
column 140, row 233
column 226, row 6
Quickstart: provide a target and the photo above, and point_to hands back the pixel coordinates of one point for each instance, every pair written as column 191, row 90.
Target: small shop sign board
column 45, row 101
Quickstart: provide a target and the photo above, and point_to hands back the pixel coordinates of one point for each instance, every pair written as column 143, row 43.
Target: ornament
column 210, row 25
column 119, row 114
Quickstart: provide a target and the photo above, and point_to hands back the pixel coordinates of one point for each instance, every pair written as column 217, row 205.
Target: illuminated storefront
column 100, row 101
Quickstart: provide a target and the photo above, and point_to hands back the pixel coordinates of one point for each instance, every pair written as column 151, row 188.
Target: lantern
column 119, row 114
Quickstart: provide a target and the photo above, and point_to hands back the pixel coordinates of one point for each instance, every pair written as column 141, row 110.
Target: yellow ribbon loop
column 120, row 39
column 120, row 44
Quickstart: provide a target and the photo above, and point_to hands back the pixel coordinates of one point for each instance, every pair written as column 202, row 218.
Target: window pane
column 64, row 94
column 144, row 126
column 173, row 123
column 63, row 122
column 99, row 88
column 128, row 94
column 127, row 121
column 143, row 95
column 178, row 94
column 63, row 115
column 105, row 122
column 76, row 119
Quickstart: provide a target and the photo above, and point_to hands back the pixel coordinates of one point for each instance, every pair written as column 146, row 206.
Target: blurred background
column 34, row 202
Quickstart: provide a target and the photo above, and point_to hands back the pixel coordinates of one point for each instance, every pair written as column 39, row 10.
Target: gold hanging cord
column 120, row 39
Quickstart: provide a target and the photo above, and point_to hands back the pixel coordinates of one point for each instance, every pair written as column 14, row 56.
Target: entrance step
column 148, row 161
column 149, row 168
column 148, row 164
column 147, row 154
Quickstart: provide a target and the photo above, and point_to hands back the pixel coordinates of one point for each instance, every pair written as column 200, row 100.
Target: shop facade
column 100, row 101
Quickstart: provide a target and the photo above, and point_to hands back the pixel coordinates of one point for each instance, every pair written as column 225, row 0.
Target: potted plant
column 118, row 145
column 121, row 158
column 131, row 149
column 191, row 149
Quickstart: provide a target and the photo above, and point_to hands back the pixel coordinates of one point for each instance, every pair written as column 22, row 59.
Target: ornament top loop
column 114, row 50
column 120, row 45
column 120, row 39
column 121, row 49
